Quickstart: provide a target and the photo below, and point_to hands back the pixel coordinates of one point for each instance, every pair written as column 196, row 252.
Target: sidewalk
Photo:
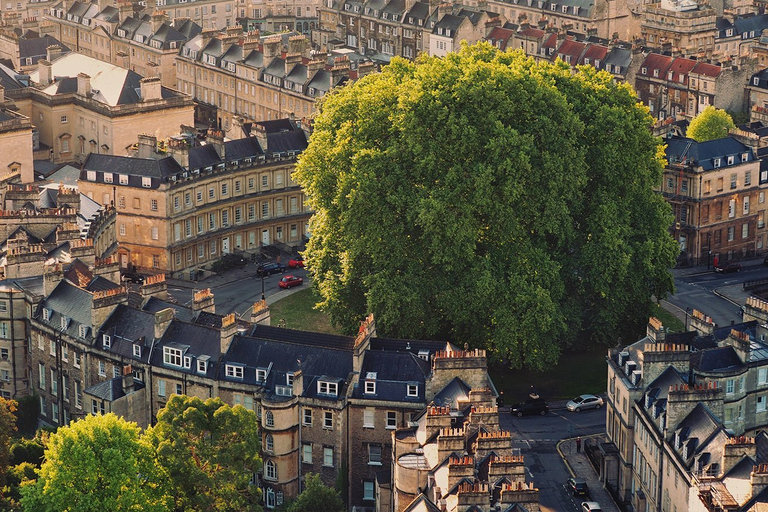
column 579, row 466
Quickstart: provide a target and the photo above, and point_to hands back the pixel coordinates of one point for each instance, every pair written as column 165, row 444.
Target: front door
column 265, row 237
column 225, row 246
column 123, row 261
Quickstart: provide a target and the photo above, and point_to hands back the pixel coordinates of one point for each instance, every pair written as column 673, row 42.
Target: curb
column 562, row 455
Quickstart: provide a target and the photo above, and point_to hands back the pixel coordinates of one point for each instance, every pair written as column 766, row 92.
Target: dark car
column 727, row 267
column 529, row 407
column 132, row 277
column 290, row 282
column 296, row 262
column 267, row 269
column 577, row 487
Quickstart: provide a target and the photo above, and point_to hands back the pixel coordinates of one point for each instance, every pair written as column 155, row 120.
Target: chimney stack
column 46, row 72
column 151, row 89
column 83, row 85
column 52, row 52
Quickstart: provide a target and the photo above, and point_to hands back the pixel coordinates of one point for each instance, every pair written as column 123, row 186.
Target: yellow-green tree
column 711, row 123
column 486, row 198
column 96, row 464
column 207, row 451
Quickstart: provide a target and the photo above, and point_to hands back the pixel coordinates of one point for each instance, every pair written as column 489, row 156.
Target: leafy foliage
column 7, row 431
column 316, row 497
column 486, row 198
column 95, row 464
column 711, row 123
column 207, row 452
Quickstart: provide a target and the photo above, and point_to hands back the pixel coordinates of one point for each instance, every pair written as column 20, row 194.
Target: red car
column 297, row 262
column 290, row 281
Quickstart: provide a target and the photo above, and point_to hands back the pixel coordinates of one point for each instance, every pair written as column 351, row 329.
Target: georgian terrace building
column 183, row 207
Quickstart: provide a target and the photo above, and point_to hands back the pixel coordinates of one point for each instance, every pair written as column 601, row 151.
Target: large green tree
column 208, row 452
column 486, row 198
column 317, row 497
column 711, row 123
column 95, row 464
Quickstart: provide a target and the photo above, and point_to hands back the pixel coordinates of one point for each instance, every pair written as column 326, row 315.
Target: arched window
column 269, row 443
column 270, row 419
column 269, row 497
column 270, row 470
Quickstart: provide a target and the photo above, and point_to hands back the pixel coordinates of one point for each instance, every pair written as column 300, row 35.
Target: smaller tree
column 712, row 123
column 316, row 497
column 95, row 464
column 208, row 452
column 7, row 431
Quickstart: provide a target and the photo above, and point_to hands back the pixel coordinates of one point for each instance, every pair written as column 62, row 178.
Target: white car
column 591, row 506
column 584, row 402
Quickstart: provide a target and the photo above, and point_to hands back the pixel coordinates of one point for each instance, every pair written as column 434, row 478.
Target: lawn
column 297, row 310
column 577, row 372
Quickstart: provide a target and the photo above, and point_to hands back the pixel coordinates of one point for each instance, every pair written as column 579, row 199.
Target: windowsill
column 369, row 426
column 327, row 428
column 391, row 428
column 374, row 463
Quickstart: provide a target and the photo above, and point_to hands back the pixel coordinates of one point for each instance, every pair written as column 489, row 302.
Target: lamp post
column 709, row 248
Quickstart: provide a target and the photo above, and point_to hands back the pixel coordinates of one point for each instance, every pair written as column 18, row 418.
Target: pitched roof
column 706, row 154
column 36, row 48
column 134, row 168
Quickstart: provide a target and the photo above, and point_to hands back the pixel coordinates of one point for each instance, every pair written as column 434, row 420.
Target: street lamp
column 709, row 247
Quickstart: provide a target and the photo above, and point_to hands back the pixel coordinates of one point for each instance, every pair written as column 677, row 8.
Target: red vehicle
column 297, row 262
column 290, row 282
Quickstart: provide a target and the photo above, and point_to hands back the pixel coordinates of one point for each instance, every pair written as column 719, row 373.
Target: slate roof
column 111, row 389
column 721, row 359
column 619, row 59
column 704, row 153
column 450, row 395
column 135, row 168
column 655, row 61
column 394, row 372
column 126, row 327
column 419, row 11
column 680, row 69
column 317, row 361
column 759, row 79
column 707, row 431
column 9, row 79
column 36, row 48
column 153, row 305
column 194, row 341
column 71, row 302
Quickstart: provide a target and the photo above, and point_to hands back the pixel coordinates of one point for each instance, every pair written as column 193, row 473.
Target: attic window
column 90, row 175
column 83, row 331
column 64, row 322
column 327, row 388
column 108, row 177
column 644, row 71
column 234, row 371
column 755, row 81
column 172, row 356
column 106, row 341
column 202, row 366
column 730, row 160
column 136, row 350
column 146, row 182
column 46, row 314
column 370, row 387
column 656, row 73
column 289, row 379
column 424, row 354
column 123, row 179
column 261, row 375
column 716, row 163
column 413, row 390
column 744, row 157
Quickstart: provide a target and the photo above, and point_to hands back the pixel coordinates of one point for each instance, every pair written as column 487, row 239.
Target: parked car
column 529, row 407
column 584, row 402
column 578, row 487
column 290, row 281
column 132, row 277
column 591, row 506
column 726, row 267
column 296, row 262
column 267, row 269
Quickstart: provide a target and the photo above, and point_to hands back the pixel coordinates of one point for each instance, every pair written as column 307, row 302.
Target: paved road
column 236, row 290
column 537, row 438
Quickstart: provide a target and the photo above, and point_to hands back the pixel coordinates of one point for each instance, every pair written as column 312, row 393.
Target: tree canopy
column 711, row 123
column 95, row 464
column 486, row 198
column 316, row 497
column 208, row 452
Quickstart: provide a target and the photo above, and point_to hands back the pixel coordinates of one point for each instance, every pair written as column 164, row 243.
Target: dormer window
column 64, row 322
column 83, row 331
column 146, row 182
column 136, row 350
column 187, row 362
column 202, row 366
column 172, row 356
column 234, row 371
column 289, row 379
column 106, row 341
column 716, row 163
column 756, row 81
column 370, row 387
column 730, row 160
column 656, row 73
column 644, row 71
column 261, row 375
column 413, row 390
column 123, row 179
column 46, row 314
column 327, row 388
column 744, row 157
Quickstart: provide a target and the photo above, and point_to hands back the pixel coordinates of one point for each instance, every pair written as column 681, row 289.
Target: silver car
column 584, row 402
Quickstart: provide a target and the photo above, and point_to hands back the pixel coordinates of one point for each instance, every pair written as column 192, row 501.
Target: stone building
column 685, row 417
column 16, row 139
column 686, row 27
column 178, row 213
column 81, row 105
